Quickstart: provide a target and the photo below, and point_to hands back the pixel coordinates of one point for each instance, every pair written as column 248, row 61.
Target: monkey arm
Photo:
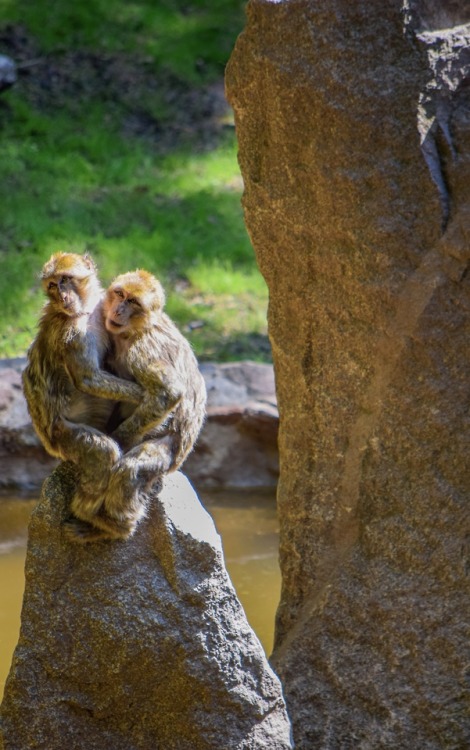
column 108, row 386
column 163, row 391
column 88, row 378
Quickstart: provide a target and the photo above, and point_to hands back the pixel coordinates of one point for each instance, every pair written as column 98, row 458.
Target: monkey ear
column 89, row 262
column 159, row 297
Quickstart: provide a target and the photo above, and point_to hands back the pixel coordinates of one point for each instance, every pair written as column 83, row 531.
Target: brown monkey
column 161, row 431
column 65, row 388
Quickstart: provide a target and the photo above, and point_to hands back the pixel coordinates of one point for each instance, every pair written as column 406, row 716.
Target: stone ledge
column 237, row 446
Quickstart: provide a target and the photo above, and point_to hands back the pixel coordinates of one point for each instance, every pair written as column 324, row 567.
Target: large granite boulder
column 354, row 145
column 136, row 645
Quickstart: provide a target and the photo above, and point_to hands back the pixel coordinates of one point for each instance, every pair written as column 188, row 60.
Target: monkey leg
column 95, row 454
column 126, row 499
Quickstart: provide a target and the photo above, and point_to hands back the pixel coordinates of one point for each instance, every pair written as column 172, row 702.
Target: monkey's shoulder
column 96, row 333
column 161, row 348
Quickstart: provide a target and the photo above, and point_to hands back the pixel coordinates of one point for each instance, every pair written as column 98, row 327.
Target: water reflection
column 14, row 515
column 248, row 526
column 246, row 521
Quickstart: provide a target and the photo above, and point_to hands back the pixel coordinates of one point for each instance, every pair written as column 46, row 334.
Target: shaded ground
column 149, row 103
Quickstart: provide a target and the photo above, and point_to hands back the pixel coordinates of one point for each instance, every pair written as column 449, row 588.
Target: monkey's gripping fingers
column 125, row 501
column 117, row 528
column 102, row 529
column 91, row 521
column 93, row 451
column 152, row 412
column 86, row 505
column 80, row 532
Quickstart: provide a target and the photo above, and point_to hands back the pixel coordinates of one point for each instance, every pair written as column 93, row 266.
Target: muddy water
column 246, row 520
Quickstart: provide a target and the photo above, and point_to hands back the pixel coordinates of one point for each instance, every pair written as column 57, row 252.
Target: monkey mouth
column 116, row 325
column 69, row 310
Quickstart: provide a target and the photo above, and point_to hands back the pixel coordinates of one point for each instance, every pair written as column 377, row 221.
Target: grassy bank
column 116, row 139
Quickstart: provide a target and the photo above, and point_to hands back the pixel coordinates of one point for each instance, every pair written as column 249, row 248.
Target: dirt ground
column 145, row 101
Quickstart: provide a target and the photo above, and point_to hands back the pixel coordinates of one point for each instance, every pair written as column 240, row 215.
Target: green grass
column 108, row 143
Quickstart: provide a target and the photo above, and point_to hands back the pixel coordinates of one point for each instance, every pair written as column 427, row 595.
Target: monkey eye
column 51, row 285
column 65, row 278
column 134, row 301
column 119, row 293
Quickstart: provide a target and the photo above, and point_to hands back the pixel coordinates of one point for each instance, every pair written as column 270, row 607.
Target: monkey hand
column 153, row 411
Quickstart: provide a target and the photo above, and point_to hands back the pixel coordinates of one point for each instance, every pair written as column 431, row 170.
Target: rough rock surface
column 237, row 446
column 24, row 464
column 136, row 645
column 367, row 263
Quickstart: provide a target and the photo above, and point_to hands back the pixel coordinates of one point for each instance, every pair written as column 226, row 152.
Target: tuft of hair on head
column 154, row 291
column 79, row 266
column 89, row 262
column 144, row 285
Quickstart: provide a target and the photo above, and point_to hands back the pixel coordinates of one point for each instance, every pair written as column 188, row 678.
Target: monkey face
column 64, row 294
column 70, row 282
column 133, row 303
column 122, row 311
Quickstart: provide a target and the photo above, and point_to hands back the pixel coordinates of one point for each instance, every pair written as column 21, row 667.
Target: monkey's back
column 168, row 347
column 48, row 388
column 46, row 385
column 190, row 412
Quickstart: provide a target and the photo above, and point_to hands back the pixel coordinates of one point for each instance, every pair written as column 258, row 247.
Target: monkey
column 158, row 434
column 69, row 395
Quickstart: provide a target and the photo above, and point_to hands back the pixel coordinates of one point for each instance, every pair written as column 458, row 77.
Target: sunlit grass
column 129, row 212
column 76, row 178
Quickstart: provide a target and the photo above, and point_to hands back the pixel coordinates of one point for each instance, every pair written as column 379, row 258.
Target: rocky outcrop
column 24, row 464
column 136, row 645
column 237, row 446
column 365, row 248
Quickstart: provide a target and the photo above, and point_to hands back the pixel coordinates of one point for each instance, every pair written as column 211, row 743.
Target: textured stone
column 237, row 446
column 367, row 266
column 137, row 645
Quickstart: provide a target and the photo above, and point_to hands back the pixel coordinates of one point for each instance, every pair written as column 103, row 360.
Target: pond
column 246, row 521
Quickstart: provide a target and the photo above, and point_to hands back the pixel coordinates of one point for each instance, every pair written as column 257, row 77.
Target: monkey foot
column 116, row 525
column 82, row 532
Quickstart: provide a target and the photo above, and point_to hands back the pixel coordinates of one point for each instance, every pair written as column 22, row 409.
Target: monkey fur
column 69, row 396
column 160, row 432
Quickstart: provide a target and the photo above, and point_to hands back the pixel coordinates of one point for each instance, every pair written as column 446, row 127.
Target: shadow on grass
column 192, row 40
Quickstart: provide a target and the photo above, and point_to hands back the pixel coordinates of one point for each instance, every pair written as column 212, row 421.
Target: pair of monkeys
column 124, row 426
